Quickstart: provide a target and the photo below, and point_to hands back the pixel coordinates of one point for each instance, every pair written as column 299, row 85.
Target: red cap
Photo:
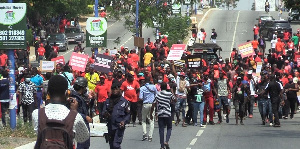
column 41, row 44
column 290, row 76
column 119, row 62
column 110, row 73
column 286, row 61
column 102, row 76
column 182, row 74
column 142, row 78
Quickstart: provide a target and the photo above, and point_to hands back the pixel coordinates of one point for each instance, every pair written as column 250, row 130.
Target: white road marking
column 193, row 141
column 199, row 133
column 204, row 126
column 188, row 148
column 114, row 23
column 233, row 38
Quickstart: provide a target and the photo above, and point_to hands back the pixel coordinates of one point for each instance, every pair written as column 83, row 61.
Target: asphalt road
column 233, row 27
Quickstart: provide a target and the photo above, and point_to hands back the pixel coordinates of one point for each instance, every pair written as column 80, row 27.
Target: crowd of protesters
column 159, row 90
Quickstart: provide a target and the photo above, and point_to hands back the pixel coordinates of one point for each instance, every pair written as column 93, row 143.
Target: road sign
column 176, row 8
column 13, row 26
column 96, row 32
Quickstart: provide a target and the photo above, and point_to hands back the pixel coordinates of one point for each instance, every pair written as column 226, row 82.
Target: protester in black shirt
column 291, row 90
column 274, row 89
column 48, row 50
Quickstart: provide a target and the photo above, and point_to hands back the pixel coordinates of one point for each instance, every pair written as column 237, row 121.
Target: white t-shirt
column 273, row 43
column 200, row 35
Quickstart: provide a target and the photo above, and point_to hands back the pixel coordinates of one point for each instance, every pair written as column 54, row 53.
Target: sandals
column 177, row 122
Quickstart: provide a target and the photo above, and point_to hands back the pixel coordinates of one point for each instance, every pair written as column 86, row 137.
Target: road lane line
column 193, row 141
column 233, row 38
column 129, row 38
column 188, row 148
column 199, row 133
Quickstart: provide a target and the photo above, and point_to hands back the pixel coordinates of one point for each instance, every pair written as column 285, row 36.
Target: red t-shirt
column 130, row 90
column 102, row 91
column 255, row 44
column 256, row 30
column 3, row 59
column 286, row 35
column 55, row 49
column 108, row 83
column 91, row 60
column 284, row 81
column 41, row 51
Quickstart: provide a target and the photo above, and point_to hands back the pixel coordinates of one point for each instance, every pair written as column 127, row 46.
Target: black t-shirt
column 21, row 54
column 273, row 89
column 291, row 94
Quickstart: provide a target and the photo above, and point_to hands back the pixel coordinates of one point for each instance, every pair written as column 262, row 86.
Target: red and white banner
column 246, row 49
column 176, row 52
column 59, row 59
column 78, row 61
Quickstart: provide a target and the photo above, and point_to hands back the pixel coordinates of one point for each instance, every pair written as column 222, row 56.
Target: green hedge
column 29, row 36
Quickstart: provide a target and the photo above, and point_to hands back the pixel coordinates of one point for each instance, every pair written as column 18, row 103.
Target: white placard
column 113, row 52
column 47, row 65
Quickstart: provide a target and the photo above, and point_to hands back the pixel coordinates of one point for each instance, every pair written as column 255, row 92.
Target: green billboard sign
column 96, row 32
column 13, row 26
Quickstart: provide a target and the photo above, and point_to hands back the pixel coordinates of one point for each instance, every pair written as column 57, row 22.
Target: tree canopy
column 295, row 4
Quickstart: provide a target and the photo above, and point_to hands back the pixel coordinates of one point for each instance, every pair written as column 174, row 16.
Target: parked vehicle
column 269, row 27
column 74, row 34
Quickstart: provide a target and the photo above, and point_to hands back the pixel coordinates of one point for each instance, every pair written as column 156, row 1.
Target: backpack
column 55, row 134
column 182, row 84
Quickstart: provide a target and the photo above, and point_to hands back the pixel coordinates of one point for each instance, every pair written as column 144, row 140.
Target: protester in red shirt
column 106, row 52
column 131, row 88
column 109, row 80
column 286, row 36
column 55, row 48
column 92, row 59
column 255, row 45
column 3, row 59
column 41, row 52
column 279, row 47
column 102, row 91
column 255, row 31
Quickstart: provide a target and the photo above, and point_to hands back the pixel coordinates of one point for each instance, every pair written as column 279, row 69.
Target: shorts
column 239, row 107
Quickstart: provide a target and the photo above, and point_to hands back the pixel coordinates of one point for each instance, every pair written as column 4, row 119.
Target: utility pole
column 96, row 15
column 137, row 18
column 12, row 85
column 157, row 29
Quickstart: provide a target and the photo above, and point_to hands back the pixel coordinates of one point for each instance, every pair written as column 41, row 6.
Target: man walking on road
column 147, row 95
column 213, row 36
column 162, row 102
column 275, row 90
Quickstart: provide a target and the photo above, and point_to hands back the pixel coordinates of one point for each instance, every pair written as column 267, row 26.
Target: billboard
column 96, row 32
column 13, row 26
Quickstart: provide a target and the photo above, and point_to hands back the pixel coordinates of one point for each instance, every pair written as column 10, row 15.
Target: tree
column 294, row 4
column 177, row 28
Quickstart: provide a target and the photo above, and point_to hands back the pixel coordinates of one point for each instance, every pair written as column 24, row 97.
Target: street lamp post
column 157, row 29
column 96, row 15
column 12, row 90
column 137, row 18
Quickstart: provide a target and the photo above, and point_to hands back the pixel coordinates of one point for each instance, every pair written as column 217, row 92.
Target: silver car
column 74, row 34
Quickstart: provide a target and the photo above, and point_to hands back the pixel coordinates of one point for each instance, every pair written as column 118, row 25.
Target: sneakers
column 224, row 117
column 195, row 124
column 201, row 125
column 149, row 139
column 227, row 119
column 219, row 122
column 271, row 124
column 250, row 115
column 145, row 137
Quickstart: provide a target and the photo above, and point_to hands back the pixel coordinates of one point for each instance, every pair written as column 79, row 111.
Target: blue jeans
column 262, row 107
column 39, row 95
column 40, row 58
column 198, row 106
column 269, row 110
column 181, row 105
